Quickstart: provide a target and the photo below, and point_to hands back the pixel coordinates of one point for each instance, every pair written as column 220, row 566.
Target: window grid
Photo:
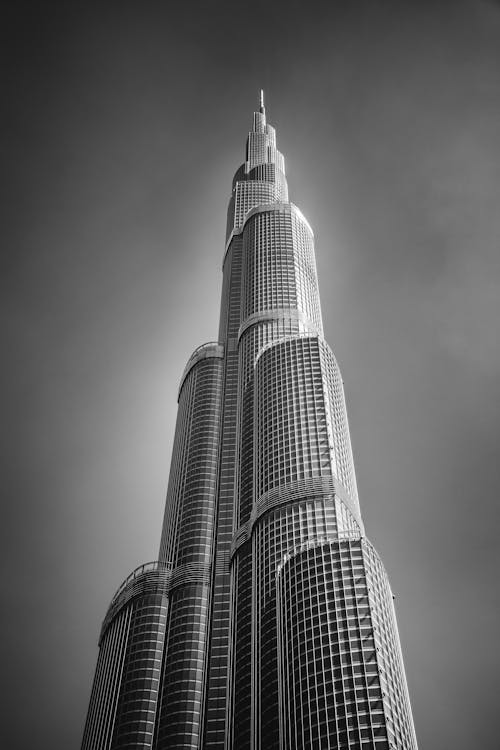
column 330, row 598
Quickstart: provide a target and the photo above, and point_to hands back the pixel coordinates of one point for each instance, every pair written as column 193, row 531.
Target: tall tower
column 268, row 622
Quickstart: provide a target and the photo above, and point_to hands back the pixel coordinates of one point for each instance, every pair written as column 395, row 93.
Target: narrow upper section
column 261, row 179
column 261, row 142
column 259, row 118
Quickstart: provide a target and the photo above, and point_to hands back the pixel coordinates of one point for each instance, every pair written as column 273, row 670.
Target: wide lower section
column 340, row 672
column 123, row 703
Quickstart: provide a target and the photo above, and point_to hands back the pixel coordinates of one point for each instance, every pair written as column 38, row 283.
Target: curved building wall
column 188, row 526
column 310, row 518
column 279, row 298
column 294, row 498
column 180, row 709
column 291, row 430
column 188, row 543
column 283, row 385
column 249, row 193
column 340, row 441
column 123, row 702
column 252, row 341
column 217, row 706
column 279, row 272
column 333, row 671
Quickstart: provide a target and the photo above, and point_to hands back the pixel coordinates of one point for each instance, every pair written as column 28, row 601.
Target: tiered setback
column 187, row 544
column 123, row 703
column 341, row 678
column 275, row 627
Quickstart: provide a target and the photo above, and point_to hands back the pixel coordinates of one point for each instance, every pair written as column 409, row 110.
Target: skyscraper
column 268, row 620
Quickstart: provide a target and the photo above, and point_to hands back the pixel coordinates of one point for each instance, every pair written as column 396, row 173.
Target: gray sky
column 123, row 124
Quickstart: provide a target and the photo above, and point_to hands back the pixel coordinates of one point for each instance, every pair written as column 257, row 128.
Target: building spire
column 262, row 108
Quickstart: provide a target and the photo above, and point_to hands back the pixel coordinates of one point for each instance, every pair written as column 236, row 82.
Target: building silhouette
column 268, row 620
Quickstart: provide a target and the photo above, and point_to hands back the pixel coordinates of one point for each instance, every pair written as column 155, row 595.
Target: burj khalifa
column 267, row 622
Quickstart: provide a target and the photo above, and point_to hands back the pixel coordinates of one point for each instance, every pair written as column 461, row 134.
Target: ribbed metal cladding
column 218, row 666
column 279, row 299
column 179, row 722
column 292, row 448
column 124, row 696
column 341, row 678
column 268, row 623
column 188, row 544
column 188, row 526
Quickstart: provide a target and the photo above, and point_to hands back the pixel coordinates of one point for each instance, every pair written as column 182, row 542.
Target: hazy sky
column 122, row 127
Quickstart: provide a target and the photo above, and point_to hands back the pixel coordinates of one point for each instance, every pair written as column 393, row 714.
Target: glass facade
column 124, row 698
column 341, row 679
column 272, row 627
